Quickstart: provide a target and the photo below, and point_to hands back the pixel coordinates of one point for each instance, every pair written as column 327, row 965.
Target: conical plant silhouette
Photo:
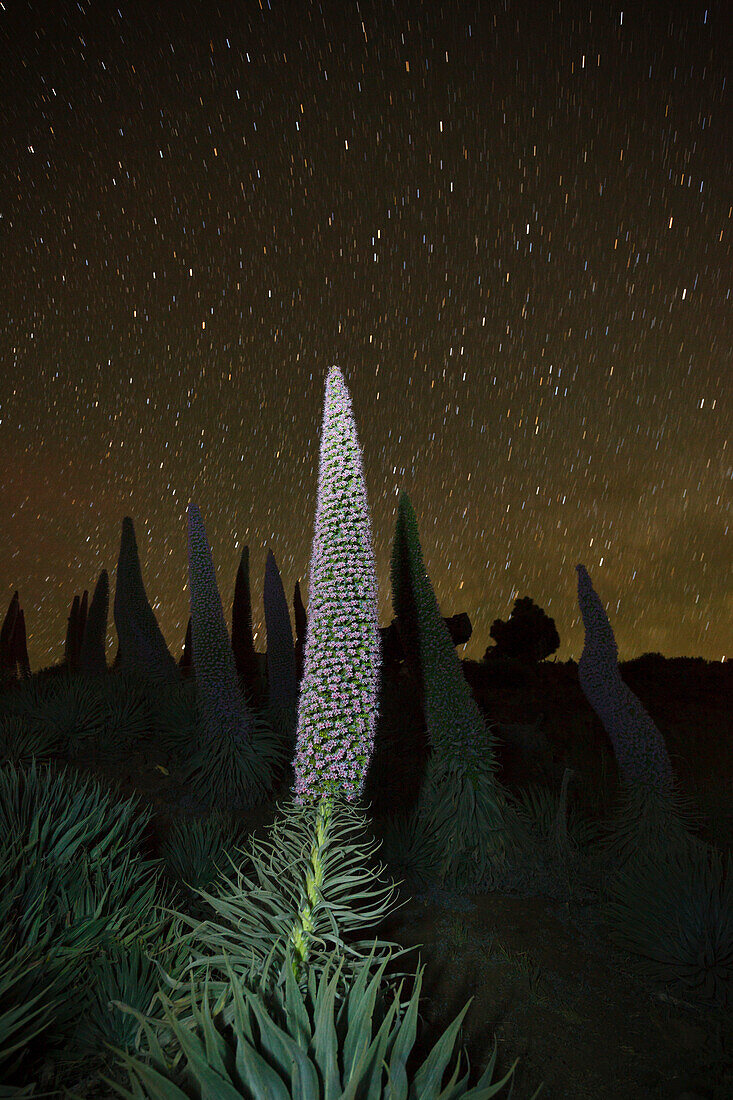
column 242, row 640
column 461, row 797
column 93, row 647
column 237, row 756
column 301, row 631
column 403, row 598
column 72, row 627
column 638, row 745
column 81, row 623
column 20, row 646
column 282, row 685
column 142, row 647
column 7, row 658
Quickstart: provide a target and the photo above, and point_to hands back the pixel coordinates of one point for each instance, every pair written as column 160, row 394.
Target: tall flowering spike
column 142, row 647
column 222, row 708
column 460, row 781
column 7, row 651
column 455, row 724
column 282, row 684
column 81, row 623
column 638, row 745
column 72, row 626
column 301, row 629
column 338, row 705
column 243, row 644
column 406, row 554
column 20, row 646
column 92, row 655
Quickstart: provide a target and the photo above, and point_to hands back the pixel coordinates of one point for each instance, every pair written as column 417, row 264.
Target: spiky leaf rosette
column 300, row 1044
column 76, row 882
column 460, row 778
column 558, row 856
column 142, row 646
column 92, row 655
column 117, row 974
column 243, row 776
column 22, row 1016
column 673, row 910
column 195, row 851
column 638, row 745
column 315, row 888
column 337, row 711
column 67, row 710
column 22, row 742
column 222, row 771
column 647, row 821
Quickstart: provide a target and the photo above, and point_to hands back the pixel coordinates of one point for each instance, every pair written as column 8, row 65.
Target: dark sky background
column 509, row 223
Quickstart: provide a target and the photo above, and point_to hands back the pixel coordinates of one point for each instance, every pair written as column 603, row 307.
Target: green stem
column 304, row 925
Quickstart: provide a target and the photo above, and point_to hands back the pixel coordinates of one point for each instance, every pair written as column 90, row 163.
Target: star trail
column 508, row 223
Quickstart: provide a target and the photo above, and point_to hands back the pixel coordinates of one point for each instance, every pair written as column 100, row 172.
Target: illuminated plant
column 460, row 785
column 238, row 752
column 638, row 745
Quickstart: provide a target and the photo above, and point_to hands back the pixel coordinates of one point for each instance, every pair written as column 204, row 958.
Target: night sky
column 509, row 224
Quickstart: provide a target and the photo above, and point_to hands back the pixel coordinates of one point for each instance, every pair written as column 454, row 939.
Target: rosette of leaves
column 128, row 974
column 176, row 718
column 74, row 881
column 222, row 768
column 313, row 886
column 411, row 844
column 21, row 740
column 300, row 1044
column 196, row 850
column 128, row 717
column 68, row 709
column 557, row 853
column 672, row 909
column 22, row 1016
column 646, row 820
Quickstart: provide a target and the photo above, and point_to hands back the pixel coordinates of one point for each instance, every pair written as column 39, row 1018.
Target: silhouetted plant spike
column 7, row 640
column 638, row 745
column 232, row 766
column 72, row 625
column 403, row 601
column 301, row 630
column 142, row 647
column 185, row 664
column 242, row 641
column 282, row 683
column 460, row 785
column 529, row 635
column 337, row 714
column 20, row 646
column 81, row 623
column 92, row 653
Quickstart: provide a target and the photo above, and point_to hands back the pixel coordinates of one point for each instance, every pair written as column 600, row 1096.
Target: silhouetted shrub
column 529, row 634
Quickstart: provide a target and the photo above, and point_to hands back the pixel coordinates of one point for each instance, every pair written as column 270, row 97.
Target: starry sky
column 509, row 224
